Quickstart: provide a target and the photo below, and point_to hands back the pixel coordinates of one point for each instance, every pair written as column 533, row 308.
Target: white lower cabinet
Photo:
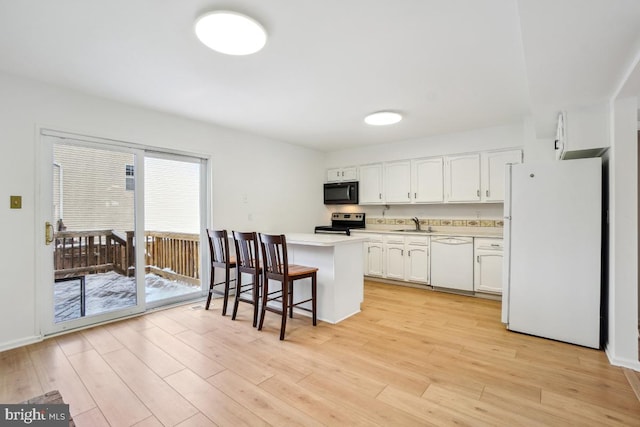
column 397, row 257
column 416, row 265
column 410, row 259
column 394, row 252
column 407, row 258
column 488, row 265
column 374, row 256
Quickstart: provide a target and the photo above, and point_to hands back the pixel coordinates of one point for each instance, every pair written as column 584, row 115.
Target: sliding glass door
column 172, row 227
column 108, row 209
column 89, row 205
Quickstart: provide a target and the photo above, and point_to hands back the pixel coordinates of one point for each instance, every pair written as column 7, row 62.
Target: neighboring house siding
column 172, row 196
column 94, row 190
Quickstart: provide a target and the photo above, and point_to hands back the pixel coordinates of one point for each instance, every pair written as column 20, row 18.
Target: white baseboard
column 625, row 363
column 19, row 343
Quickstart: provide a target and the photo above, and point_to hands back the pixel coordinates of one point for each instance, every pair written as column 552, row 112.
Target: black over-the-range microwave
column 341, row 193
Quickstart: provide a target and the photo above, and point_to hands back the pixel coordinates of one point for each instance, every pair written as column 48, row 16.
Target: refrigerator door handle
column 506, row 266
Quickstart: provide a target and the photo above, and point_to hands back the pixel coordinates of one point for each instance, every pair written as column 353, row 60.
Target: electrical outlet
column 15, row 202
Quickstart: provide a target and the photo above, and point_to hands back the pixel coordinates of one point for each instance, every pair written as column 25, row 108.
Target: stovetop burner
column 342, row 223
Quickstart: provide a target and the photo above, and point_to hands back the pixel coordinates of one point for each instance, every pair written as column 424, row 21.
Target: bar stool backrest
column 274, row 255
column 218, row 247
column 247, row 255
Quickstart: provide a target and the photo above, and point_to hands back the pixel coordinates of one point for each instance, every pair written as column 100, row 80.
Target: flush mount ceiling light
column 382, row 118
column 231, row 33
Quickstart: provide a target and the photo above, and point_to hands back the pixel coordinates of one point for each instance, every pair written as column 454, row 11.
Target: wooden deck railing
column 174, row 256
column 78, row 253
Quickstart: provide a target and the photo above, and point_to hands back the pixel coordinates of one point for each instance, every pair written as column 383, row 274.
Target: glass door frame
column 44, row 274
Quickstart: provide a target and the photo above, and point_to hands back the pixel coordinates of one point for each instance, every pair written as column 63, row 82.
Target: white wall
column 622, row 346
column 281, row 182
column 499, row 137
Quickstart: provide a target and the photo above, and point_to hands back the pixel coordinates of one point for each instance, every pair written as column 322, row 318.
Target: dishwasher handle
column 452, row 241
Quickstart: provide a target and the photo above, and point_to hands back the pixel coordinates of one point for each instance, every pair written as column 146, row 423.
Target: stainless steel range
column 342, row 223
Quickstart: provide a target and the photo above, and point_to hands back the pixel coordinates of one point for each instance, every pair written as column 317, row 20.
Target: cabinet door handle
column 415, row 195
column 408, row 195
column 478, row 193
column 487, row 193
column 477, row 259
column 380, row 196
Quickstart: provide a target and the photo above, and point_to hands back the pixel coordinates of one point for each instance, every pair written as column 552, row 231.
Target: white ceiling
column 447, row 65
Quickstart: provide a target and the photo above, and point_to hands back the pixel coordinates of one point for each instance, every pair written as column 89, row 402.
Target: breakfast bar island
column 339, row 260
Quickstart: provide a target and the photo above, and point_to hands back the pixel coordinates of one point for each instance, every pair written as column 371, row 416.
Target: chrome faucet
column 417, row 222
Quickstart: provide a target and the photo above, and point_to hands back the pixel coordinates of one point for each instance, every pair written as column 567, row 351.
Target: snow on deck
column 110, row 291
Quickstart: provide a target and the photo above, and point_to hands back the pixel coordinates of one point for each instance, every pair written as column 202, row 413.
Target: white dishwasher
column 452, row 262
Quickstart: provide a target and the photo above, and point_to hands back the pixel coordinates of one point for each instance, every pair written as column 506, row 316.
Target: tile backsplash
column 437, row 222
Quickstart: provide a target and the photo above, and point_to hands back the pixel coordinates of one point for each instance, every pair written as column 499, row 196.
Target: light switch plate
column 15, row 202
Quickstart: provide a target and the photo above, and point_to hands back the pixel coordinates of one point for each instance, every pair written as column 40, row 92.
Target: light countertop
column 311, row 239
column 450, row 231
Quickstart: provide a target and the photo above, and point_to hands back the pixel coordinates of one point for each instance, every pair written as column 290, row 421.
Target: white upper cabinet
column 342, row 174
column 427, row 180
column 397, row 182
column 493, row 172
column 414, row 181
column 371, row 184
column 462, row 178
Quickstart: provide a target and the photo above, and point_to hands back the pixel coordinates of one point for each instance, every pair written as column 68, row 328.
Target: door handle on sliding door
column 48, row 233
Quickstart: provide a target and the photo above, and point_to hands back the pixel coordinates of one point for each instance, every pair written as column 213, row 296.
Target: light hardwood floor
column 412, row 357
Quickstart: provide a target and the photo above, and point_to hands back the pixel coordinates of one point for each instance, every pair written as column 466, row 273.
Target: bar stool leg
column 313, row 298
column 285, row 303
column 235, row 300
column 255, row 294
column 291, row 299
column 227, row 283
column 263, row 306
column 211, row 282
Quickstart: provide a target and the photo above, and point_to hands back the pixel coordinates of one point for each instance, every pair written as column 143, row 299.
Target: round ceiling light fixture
column 230, row 33
column 382, row 118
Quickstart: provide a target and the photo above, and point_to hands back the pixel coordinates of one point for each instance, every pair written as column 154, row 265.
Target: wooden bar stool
column 277, row 268
column 219, row 250
column 247, row 259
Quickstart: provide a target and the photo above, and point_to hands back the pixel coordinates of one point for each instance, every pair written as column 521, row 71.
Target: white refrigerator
column 552, row 258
